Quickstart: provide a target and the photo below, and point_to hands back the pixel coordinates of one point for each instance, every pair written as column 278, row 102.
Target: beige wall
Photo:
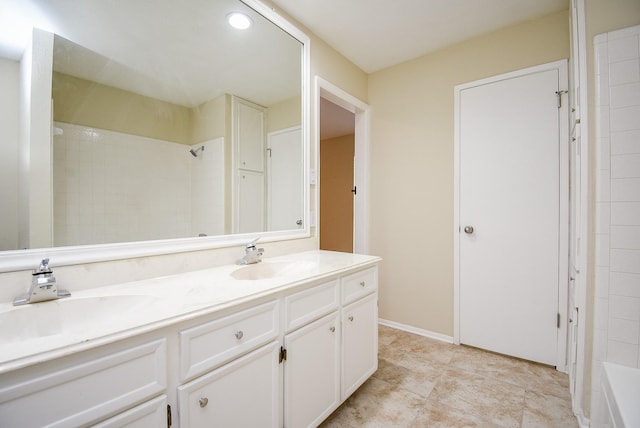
column 285, row 114
column 82, row 102
column 412, row 163
column 209, row 119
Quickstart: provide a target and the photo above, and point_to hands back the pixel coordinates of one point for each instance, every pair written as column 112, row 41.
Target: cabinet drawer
column 209, row 345
column 308, row 305
column 359, row 284
column 151, row 414
column 88, row 391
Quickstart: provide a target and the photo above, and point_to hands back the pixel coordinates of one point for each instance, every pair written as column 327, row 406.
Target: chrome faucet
column 252, row 254
column 43, row 287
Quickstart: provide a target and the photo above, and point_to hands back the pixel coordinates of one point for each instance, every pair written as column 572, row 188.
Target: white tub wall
column 9, row 101
column 617, row 220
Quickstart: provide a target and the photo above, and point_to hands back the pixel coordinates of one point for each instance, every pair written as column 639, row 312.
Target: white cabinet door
column 250, row 200
column 243, row 393
column 312, row 372
column 359, row 343
column 249, row 135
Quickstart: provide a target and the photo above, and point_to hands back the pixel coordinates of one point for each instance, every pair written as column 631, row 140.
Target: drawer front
column 209, row 345
column 151, row 414
column 359, row 284
column 87, row 392
column 308, row 305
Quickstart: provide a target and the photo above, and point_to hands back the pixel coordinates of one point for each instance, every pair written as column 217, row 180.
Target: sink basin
column 69, row 316
column 268, row 270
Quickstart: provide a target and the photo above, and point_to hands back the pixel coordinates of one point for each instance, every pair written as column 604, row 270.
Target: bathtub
column 621, row 389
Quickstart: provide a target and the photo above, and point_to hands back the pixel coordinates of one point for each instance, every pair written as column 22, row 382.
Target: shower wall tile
column 626, row 308
column 624, row 72
column 622, row 353
column 625, row 142
column 625, row 95
column 624, row 190
column 625, row 237
column 623, row 48
column 627, row 261
column 625, row 166
column 617, row 219
column 624, row 284
column 625, row 119
column 625, row 331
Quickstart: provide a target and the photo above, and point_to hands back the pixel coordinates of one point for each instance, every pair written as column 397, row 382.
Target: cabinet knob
column 239, row 334
column 362, row 283
column 203, row 401
column 332, row 329
column 350, row 317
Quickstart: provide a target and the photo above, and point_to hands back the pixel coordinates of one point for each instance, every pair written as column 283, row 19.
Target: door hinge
column 559, row 95
column 283, row 355
column 168, row 416
column 354, row 190
column 558, row 320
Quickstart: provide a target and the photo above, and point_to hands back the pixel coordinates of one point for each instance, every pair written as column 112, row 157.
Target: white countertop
column 42, row 331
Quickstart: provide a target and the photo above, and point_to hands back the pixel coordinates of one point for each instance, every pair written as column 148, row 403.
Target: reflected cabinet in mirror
column 158, row 121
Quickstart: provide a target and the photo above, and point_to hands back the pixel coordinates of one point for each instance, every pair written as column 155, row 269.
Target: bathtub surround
column 106, row 187
column 617, row 222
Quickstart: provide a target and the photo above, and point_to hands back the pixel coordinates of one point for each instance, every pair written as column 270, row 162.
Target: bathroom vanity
column 279, row 343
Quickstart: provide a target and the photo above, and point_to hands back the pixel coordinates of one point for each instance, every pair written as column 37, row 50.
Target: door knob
column 468, row 229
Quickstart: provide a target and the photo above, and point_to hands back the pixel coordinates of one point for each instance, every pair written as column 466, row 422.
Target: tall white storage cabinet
column 248, row 148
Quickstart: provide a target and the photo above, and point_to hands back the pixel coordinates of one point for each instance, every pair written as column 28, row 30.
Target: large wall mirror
column 153, row 127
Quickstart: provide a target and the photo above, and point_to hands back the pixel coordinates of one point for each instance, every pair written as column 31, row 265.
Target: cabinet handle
column 239, row 334
column 332, row 329
column 362, row 283
column 351, row 318
column 203, row 402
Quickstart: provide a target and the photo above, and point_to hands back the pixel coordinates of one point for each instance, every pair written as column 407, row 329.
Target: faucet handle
column 43, row 268
column 253, row 243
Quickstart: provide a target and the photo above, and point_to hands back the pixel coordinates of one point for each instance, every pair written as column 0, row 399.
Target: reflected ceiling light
column 239, row 20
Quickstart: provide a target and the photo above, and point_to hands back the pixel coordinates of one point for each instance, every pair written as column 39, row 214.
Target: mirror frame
column 17, row 260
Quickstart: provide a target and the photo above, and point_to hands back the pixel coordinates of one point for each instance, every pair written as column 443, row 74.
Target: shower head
column 194, row 153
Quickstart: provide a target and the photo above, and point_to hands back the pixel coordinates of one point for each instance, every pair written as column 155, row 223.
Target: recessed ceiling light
column 239, row 20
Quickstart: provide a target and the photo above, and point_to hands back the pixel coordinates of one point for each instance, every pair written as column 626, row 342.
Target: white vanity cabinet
column 244, row 388
column 243, row 393
column 283, row 357
column 88, row 387
column 359, row 343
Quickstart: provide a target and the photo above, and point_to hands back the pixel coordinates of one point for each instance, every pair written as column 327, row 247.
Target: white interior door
column 285, row 180
column 509, row 214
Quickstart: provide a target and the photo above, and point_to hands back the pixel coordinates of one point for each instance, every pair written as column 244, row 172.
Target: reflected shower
column 194, row 153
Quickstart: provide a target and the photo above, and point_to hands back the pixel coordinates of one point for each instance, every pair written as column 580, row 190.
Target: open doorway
column 337, row 189
column 342, row 124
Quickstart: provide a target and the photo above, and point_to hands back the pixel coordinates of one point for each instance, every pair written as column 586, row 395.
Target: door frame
column 329, row 91
column 563, row 231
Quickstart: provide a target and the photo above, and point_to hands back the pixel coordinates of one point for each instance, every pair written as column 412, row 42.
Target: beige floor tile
column 419, row 381
column 547, row 411
column 423, row 382
column 499, row 403
column 377, row 404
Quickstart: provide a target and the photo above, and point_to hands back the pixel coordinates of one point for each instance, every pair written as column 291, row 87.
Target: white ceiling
column 178, row 51
column 335, row 121
column 375, row 34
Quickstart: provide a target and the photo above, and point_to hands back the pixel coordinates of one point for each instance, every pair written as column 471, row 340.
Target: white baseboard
column 415, row 330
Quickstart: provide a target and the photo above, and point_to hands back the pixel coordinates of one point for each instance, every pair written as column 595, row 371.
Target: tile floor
column 422, row 382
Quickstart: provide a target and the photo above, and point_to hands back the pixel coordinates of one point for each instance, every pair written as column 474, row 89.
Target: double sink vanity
column 278, row 343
